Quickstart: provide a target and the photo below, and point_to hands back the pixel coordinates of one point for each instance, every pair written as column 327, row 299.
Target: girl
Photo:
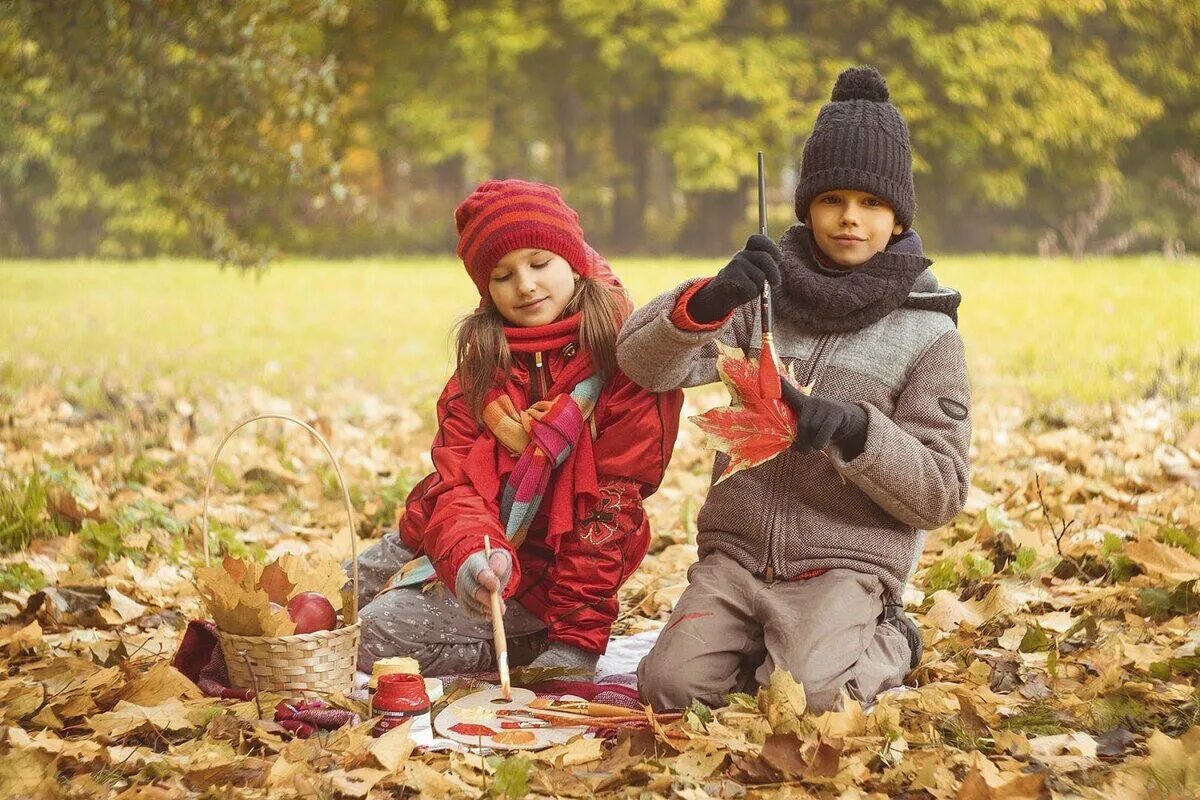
column 543, row 445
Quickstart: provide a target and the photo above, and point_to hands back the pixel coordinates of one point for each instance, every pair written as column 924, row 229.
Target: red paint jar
column 398, row 697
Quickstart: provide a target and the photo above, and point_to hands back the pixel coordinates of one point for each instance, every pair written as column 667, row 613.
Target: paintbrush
column 564, row 720
column 498, row 636
column 768, row 364
column 582, row 707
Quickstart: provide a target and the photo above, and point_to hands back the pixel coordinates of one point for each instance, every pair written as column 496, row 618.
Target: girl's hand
column 478, row 577
column 489, row 578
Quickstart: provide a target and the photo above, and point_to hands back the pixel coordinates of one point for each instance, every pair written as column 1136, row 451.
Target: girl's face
column 851, row 226
column 532, row 287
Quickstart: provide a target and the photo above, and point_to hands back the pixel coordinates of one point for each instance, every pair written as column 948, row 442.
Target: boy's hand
column 478, row 577
column 820, row 421
column 739, row 281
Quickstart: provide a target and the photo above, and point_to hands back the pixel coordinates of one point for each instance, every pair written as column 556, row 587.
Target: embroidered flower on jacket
column 600, row 525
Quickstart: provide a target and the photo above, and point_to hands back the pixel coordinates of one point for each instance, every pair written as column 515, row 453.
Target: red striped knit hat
column 505, row 215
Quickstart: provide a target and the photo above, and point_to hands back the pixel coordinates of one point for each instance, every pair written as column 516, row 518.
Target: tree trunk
column 569, row 108
column 631, row 145
column 717, row 222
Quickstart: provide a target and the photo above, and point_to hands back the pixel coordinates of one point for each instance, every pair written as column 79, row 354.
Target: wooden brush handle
column 499, row 639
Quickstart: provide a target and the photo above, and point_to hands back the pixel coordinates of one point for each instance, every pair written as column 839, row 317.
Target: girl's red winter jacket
column 570, row 581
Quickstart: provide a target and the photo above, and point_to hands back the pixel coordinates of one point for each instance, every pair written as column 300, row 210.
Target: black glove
column 820, row 421
column 738, row 281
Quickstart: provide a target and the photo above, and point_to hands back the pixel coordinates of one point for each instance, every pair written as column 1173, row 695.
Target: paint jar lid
column 402, row 693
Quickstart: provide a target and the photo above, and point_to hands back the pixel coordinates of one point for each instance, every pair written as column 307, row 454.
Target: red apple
column 312, row 611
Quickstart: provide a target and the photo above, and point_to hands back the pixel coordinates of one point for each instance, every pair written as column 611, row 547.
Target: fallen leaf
column 514, row 737
column 783, row 703
column 432, row 783
column 698, row 765
column 162, row 682
column 19, row 698
column 511, row 779
column 355, row 782
column 1162, row 561
column 247, row 772
column 1067, row 751
column 1114, row 743
column 127, row 717
column 852, row 720
column 126, row 608
column 27, row 774
column 393, row 748
column 27, row 639
column 284, row 773
column 572, row 753
column 1174, row 764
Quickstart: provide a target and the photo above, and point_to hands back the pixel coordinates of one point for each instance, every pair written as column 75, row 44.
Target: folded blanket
column 200, row 659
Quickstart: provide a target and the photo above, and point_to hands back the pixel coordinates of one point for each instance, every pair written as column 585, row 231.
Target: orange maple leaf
column 752, row 429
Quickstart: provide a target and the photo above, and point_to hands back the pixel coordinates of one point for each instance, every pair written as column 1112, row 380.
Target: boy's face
column 532, row 287
column 851, row 226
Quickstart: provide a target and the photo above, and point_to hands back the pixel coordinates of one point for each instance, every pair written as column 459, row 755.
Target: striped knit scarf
column 542, row 437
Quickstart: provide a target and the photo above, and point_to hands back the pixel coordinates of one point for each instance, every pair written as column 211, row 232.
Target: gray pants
column 431, row 626
column 730, row 631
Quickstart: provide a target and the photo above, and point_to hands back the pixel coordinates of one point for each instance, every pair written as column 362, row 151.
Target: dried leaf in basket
column 254, row 618
column 315, row 573
column 238, row 594
column 219, row 589
column 235, row 567
column 276, row 584
column 240, row 605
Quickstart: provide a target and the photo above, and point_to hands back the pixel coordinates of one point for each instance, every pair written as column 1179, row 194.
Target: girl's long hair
column 483, row 359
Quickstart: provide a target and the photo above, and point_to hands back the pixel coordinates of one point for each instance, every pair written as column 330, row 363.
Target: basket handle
column 352, row 609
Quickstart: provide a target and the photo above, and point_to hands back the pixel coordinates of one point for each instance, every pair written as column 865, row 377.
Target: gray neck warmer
column 825, row 299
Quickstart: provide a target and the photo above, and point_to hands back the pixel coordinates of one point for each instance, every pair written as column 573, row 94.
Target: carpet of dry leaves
column 1059, row 613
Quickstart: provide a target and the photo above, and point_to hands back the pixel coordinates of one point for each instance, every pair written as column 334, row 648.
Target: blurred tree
column 1018, row 112
column 131, row 127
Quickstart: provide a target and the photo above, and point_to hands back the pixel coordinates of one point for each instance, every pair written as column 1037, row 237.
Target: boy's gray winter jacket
column 802, row 512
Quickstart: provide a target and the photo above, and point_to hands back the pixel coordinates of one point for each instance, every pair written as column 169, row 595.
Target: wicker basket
column 318, row 663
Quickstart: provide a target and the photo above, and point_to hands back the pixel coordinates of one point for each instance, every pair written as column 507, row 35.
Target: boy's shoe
column 895, row 615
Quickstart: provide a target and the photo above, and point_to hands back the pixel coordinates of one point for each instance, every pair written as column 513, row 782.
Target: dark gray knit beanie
column 859, row 142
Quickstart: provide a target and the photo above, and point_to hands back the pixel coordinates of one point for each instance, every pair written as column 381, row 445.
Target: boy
column 803, row 559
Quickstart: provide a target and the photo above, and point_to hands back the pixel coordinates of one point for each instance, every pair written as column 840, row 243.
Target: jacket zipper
column 818, row 352
column 769, row 572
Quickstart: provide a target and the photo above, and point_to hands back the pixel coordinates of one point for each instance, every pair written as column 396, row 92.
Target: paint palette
column 475, row 720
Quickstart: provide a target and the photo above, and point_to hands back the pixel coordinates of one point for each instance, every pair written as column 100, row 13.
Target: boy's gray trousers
column 731, row 630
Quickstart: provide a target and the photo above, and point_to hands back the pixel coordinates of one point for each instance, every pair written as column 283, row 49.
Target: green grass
column 1058, row 330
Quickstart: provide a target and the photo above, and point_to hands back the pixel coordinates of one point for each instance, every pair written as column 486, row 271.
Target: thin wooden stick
column 498, row 636
column 254, row 680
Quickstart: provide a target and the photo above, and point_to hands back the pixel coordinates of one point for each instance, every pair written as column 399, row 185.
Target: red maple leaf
column 752, row 429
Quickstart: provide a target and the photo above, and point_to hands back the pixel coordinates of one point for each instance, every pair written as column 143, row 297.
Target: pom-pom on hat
column 505, row 215
column 859, row 142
